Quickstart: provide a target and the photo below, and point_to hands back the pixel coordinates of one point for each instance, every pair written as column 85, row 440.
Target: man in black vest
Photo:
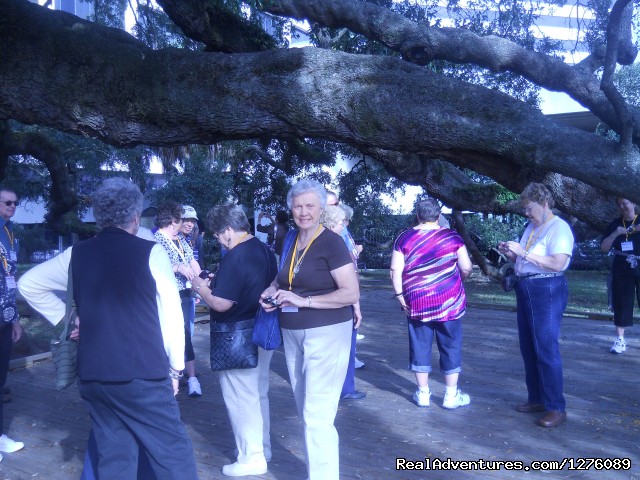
column 131, row 351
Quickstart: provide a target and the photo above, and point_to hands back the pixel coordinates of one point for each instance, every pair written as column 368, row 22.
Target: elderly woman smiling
column 315, row 289
column 541, row 257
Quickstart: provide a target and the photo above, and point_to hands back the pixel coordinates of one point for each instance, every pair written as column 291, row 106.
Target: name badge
column 627, row 246
column 290, row 309
column 12, row 256
column 11, row 282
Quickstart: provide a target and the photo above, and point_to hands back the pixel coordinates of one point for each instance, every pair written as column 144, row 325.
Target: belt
column 631, row 259
column 185, row 293
column 541, row 275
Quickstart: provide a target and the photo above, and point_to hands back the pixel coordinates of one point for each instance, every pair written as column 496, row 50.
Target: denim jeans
column 541, row 303
column 188, row 313
column 349, row 385
column 449, row 339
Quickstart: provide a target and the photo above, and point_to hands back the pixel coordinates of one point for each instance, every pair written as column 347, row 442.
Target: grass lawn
column 587, row 289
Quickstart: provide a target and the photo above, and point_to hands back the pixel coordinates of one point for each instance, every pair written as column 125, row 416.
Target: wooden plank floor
column 602, row 391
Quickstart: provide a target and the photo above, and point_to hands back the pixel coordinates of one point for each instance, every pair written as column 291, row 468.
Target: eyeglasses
column 8, row 203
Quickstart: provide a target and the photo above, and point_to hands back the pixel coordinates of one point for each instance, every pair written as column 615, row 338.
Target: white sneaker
column 619, row 346
column 194, row 387
column 244, row 469
column 454, row 401
column 422, row 398
column 9, row 446
column 359, row 336
column 357, row 363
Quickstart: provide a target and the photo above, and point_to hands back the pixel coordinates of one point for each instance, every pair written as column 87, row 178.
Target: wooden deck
column 602, row 390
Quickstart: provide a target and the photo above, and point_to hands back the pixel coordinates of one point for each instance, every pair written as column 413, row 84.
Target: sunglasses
column 8, row 203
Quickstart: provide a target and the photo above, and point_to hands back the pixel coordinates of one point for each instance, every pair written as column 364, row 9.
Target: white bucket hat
column 189, row 212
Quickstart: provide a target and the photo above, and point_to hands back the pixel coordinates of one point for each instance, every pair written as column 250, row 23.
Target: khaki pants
column 245, row 393
column 317, row 361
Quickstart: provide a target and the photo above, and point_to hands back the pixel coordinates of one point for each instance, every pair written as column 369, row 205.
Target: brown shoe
column 530, row 407
column 552, row 419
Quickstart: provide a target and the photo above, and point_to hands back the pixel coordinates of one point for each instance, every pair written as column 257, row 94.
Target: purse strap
column 288, row 243
column 69, row 305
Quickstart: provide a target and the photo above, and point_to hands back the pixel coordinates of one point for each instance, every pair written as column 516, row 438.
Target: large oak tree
column 59, row 71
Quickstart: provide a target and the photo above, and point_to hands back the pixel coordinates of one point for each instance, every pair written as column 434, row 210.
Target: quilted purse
column 232, row 345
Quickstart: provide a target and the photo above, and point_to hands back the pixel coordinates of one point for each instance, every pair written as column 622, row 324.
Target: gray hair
column 333, row 215
column 348, row 211
column 305, row 186
column 428, row 210
column 537, row 193
column 221, row 217
column 116, row 203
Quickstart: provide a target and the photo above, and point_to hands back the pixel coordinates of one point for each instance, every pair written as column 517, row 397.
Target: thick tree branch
column 422, row 44
column 84, row 84
column 620, row 13
column 458, row 191
column 218, row 28
column 62, row 197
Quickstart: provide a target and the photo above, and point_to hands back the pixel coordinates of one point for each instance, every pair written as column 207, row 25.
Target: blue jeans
column 541, row 303
column 349, row 385
column 188, row 312
column 449, row 339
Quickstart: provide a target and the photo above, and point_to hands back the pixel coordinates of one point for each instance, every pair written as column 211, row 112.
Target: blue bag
column 266, row 330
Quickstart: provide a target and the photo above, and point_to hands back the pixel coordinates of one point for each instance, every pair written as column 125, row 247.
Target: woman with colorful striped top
column 427, row 267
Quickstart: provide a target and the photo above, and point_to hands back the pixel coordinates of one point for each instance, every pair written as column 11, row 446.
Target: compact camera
column 271, row 301
column 204, row 274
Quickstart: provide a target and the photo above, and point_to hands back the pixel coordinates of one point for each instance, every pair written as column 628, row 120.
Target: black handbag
column 509, row 281
column 232, row 345
column 64, row 351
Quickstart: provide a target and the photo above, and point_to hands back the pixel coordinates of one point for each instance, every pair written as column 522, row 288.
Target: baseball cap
column 189, row 212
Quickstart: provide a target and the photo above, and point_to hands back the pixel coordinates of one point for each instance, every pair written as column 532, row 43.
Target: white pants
column 245, row 393
column 317, row 361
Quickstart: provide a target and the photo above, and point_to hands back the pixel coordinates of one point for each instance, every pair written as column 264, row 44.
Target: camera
column 204, row 274
column 271, row 301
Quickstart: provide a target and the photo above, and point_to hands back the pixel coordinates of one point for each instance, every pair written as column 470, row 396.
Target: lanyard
column 294, row 269
column 623, row 225
column 536, row 231
column 180, row 251
column 10, row 236
column 5, row 264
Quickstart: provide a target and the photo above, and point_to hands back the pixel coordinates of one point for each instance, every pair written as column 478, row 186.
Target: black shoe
column 355, row 395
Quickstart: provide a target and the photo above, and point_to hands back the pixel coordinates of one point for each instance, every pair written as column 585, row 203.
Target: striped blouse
column 431, row 281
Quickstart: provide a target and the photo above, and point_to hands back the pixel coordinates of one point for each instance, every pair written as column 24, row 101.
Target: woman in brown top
column 315, row 289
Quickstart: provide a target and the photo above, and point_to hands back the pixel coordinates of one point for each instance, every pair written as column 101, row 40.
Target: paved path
column 602, row 390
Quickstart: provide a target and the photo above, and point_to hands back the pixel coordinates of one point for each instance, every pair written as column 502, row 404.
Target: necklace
column 241, row 238
column 535, row 233
column 294, row 266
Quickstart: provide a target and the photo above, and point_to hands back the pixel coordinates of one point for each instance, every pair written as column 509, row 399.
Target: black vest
column 115, row 293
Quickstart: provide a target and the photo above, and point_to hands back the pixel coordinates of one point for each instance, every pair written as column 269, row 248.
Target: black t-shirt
column 620, row 265
column 245, row 271
column 327, row 252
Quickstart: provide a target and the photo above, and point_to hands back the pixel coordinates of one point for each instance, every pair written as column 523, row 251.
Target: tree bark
column 73, row 75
